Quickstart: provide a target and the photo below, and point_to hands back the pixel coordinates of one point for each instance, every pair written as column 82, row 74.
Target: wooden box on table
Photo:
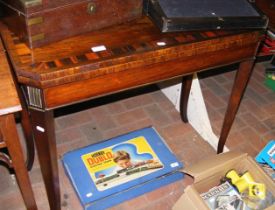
column 39, row 22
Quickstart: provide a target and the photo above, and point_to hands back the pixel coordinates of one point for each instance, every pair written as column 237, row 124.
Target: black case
column 188, row 15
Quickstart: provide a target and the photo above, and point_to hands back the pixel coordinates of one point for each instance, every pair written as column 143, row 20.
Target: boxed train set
column 121, row 168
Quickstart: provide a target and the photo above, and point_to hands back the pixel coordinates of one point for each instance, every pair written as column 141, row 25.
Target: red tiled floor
column 125, row 112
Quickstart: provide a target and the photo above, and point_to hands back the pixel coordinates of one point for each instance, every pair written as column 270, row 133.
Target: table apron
column 74, row 92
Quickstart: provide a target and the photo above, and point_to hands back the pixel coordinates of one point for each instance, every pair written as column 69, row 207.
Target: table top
column 121, row 57
column 9, row 102
column 126, row 43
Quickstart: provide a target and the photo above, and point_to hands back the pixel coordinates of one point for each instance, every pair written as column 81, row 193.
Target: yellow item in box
column 244, row 182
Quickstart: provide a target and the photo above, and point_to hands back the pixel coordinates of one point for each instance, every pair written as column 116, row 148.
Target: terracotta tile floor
column 77, row 126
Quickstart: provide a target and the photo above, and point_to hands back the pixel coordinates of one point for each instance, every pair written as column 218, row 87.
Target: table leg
column 44, row 135
column 10, row 136
column 239, row 86
column 185, row 92
column 27, row 128
column 26, row 125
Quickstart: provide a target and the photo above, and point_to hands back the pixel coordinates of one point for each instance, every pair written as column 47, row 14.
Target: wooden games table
column 116, row 59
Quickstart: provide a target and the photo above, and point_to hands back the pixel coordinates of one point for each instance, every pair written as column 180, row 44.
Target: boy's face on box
column 124, row 163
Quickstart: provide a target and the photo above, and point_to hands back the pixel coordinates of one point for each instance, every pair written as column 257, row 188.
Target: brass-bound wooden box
column 39, row 22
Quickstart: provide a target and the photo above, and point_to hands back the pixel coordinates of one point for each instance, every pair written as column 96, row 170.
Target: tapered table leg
column 185, row 92
column 44, row 135
column 26, row 125
column 10, row 136
column 242, row 77
column 27, row 128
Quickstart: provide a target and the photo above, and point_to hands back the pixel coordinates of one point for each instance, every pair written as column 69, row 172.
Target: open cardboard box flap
column 211, row 169
column 190, row 200
column 211, row 165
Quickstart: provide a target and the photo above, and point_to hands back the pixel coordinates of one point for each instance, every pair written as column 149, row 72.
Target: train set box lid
column 186, row 15
column 118, row 169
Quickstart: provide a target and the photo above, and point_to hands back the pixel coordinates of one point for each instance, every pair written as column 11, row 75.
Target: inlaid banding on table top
column 112, row 52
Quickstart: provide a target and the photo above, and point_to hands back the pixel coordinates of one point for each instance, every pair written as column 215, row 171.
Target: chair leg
column 10, row 136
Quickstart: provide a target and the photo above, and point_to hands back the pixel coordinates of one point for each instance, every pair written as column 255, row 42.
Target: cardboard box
column 208, row 173
column 101, row 179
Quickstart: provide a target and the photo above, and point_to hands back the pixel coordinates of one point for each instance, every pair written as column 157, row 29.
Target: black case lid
column 186, row 15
